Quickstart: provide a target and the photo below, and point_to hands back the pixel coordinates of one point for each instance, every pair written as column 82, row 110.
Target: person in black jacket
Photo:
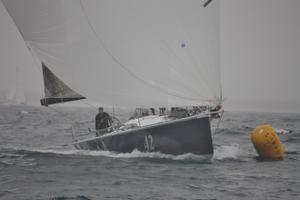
column 102, row 121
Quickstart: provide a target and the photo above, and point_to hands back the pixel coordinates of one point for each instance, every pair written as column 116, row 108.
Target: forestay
column 133, row 53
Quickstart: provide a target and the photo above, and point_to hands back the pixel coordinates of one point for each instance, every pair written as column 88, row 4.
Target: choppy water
column 38, row 162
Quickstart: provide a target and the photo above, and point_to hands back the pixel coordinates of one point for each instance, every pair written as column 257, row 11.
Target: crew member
column 102, row 121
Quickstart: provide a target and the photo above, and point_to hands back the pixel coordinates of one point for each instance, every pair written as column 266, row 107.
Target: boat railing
column 81, row 133
column 116, row 125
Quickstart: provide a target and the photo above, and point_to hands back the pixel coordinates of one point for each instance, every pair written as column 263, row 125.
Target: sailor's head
column 100, row 109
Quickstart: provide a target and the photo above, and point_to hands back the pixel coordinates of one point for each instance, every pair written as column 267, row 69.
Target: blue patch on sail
column 183, row 45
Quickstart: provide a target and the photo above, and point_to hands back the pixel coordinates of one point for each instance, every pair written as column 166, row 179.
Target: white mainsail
column 133, row 53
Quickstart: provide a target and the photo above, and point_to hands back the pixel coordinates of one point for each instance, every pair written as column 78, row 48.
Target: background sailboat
column 16, row 95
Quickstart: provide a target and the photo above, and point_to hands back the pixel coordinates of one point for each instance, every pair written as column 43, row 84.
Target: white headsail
column 133, row 53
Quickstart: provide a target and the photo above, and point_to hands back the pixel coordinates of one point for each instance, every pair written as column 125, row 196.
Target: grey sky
column 260, row 48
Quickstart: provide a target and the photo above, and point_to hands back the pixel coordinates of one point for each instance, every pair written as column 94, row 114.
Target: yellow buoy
column 267, row 142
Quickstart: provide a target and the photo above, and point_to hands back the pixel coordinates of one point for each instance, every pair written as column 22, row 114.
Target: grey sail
column 56, row 91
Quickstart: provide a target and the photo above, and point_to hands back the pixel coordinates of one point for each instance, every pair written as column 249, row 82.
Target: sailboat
column 130, row 54
column 16, row 94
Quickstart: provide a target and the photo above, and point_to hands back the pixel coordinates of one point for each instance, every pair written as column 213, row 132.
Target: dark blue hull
column 189, row 135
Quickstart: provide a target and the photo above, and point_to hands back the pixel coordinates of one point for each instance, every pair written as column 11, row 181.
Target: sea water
column 37, row 161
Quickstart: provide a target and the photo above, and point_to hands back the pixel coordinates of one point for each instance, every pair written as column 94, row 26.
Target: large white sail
column 133, row 53
column 20, row 79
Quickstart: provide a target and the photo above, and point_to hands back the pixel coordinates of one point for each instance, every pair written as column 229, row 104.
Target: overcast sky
column 260, row 56
column 260, row 48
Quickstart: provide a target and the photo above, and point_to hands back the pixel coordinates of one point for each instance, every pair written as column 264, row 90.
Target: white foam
column 281, row 131
column 227, row 152
column 138, row 154
column 133, row 154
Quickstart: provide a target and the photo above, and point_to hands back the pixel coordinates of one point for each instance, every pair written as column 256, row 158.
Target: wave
column 292, row 138
column 282, row 131
column 221, row 153
column 24, row 112
column 229, row 131
column 228, row 152
column 9, row 157
column 70, row 198
column 133, row 154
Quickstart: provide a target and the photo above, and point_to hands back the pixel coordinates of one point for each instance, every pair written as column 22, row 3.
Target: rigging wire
column 64, row 115
column 74, row 123
column 193, row 60
column 166, row 49
column 83, row 101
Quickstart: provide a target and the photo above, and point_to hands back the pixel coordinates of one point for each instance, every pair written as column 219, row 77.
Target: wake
column 111, row 154
column 226, row 152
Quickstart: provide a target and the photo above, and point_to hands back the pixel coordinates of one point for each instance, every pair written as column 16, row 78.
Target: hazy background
column 260, row 48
